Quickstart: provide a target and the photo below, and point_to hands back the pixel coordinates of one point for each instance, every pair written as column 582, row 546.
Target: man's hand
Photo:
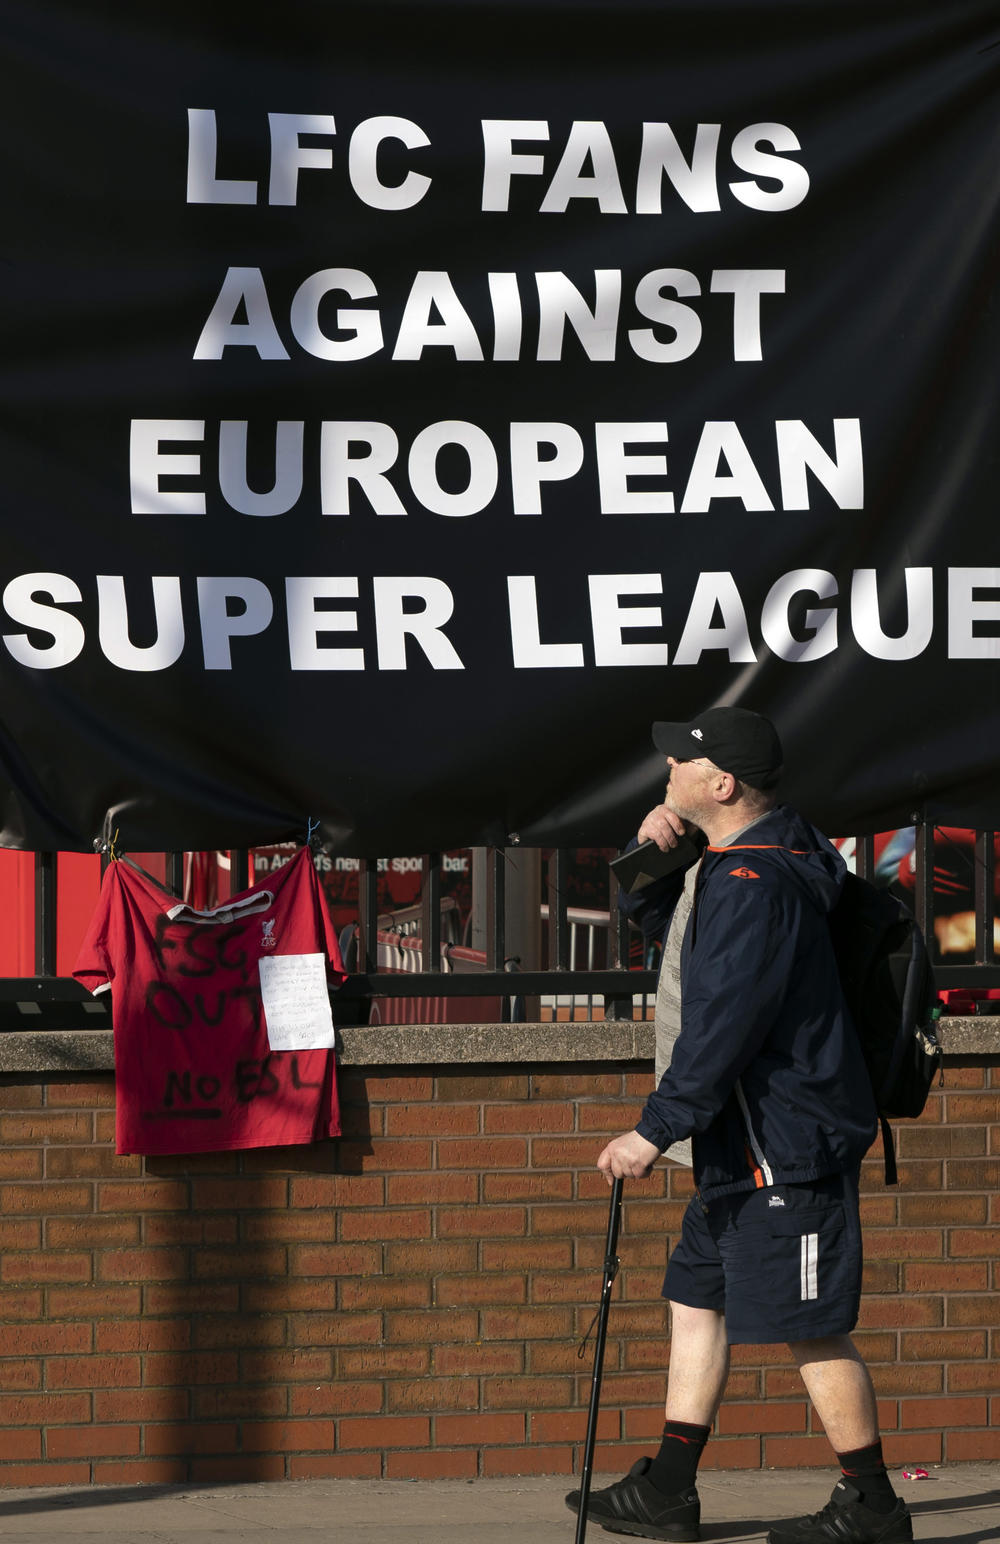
column 628, row 1157
column 663, row 827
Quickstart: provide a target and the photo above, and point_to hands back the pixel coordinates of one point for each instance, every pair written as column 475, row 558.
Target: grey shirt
column 669, row 1010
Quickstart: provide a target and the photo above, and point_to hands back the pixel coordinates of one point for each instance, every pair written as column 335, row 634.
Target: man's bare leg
column 699, row 1367
column 658, row 1494
column 840, row 1387
column 864, row 1505
column 699, row 1364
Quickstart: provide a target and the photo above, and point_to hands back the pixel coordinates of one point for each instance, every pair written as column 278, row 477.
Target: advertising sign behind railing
column 404, row 405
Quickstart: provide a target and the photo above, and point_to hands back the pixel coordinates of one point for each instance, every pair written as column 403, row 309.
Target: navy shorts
column 782, row 1263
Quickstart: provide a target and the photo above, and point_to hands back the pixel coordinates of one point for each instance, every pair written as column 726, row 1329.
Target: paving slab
column 961, row 1502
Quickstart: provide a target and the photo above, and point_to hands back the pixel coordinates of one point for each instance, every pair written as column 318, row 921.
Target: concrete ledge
column 399, row 1045
column 970, row 1036
column 55, row 1050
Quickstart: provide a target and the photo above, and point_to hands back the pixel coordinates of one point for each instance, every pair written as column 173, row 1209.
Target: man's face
column 687, row 789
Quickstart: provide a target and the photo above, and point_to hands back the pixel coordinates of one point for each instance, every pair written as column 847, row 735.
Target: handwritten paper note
column 296, row 1002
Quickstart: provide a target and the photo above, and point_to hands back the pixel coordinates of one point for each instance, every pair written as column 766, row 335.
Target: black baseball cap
column 736, row 740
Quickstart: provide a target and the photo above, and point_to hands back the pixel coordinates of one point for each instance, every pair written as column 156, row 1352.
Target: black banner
column 403, row 405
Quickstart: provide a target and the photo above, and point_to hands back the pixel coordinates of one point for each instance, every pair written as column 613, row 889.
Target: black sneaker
column 633, row 1505
column 846, row 1520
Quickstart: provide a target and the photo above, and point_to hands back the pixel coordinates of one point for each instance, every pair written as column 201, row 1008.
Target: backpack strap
column 889, row 1151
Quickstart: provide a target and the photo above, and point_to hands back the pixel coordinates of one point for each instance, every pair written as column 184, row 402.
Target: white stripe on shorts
column 809, row 1260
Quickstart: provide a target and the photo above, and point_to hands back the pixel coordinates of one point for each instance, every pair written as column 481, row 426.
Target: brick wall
column 409, row 1301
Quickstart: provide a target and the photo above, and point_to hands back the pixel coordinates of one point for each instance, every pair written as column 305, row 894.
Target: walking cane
column 610, row 1272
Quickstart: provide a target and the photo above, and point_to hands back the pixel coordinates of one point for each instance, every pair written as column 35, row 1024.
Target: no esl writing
column 222, row 1022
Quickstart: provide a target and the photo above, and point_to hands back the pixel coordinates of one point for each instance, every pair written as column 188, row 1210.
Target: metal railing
column 46, row 1000
column 615, row 982
column 984, row 968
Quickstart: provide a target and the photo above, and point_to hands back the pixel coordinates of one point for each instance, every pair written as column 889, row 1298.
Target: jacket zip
column 762, row 1175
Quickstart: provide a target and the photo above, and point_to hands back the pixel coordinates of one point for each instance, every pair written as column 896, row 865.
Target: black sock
column 865, row 1467
column 676, row 1464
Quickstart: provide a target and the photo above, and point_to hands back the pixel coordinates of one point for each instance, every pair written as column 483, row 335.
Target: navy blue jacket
column 767, row 1075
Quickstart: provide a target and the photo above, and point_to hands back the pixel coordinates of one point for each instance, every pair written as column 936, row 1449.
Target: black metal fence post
column 45, row 913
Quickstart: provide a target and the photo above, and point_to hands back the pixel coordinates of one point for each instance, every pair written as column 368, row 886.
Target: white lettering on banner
column 113, row 629
column 768, row 163
column 614, row 467
column 588, row 144
column 44, row 616
column 820, row 624
column 564, row 309
column 288, row 456
column 715, row 594
column 867, row 621
column 799, row 452
column 811, row 636
column 695, row 180
column 289, row 156
column 802, row 619
column 362, row 325
column 530, row 653
column 35, row 601
column 148, row 464
column 970, row 610
column 393, row 624
column 508, row 321
column 723, row 442
column 244, row 288
column 529, row 469
column 219, row 624
column 203, row 185
column 653, row 302
column 340, row 465
column 587, row 167
column 362, row 163
column 306, row 624
column 747, row 285
column 501, row 161
column 609, row 618
column 560, row 302
column 483, row 468
column 359, row 455
column 432, row 292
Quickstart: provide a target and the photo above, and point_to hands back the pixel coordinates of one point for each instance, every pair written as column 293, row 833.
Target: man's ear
column 725, row 788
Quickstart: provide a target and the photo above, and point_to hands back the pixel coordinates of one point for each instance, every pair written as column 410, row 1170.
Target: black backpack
column 888, row 983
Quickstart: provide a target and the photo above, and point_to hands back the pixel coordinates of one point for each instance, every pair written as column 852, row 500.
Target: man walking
column 767, row 1076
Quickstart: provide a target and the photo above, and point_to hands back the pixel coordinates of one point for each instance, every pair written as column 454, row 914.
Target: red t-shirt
column 195, row 1072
